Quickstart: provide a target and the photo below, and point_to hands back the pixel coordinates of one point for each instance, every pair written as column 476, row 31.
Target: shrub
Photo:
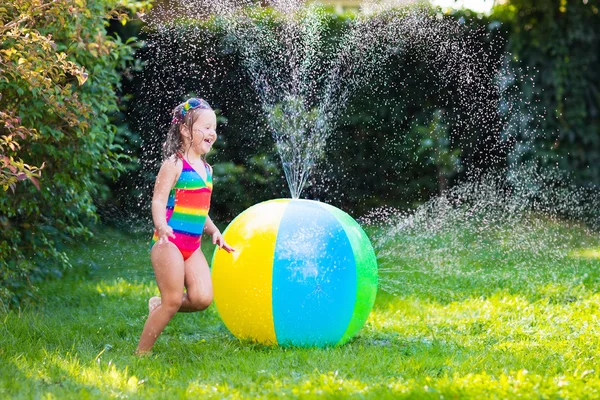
column 560, row 42
column 58, row 85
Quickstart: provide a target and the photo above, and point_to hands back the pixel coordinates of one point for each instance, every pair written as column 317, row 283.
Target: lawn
column 460, row 316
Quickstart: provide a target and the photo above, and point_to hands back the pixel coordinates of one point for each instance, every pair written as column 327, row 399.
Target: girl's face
column 203, row 132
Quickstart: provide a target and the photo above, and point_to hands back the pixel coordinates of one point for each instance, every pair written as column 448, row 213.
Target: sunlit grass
column 587, row 253
column 474, row 327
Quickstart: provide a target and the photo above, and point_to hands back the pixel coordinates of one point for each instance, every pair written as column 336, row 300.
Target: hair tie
column 194, row 103
column 190, row 104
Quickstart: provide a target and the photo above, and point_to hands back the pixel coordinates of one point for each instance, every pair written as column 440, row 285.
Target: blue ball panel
column 314, row 277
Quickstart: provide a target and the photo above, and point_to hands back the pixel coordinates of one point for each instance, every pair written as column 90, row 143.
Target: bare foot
column 153, row 303
column 142, row 353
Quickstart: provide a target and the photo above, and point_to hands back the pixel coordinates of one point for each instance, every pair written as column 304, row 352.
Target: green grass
column 476, row 323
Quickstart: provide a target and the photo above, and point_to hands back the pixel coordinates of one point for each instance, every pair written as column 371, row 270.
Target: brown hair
column 174, row 142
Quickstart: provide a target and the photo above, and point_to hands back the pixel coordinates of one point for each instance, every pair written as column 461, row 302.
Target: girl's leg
column 168, row 265
column 198, row 283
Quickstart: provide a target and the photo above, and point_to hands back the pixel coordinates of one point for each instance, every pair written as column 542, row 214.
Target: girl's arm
column 165, row 180
column 217, row 237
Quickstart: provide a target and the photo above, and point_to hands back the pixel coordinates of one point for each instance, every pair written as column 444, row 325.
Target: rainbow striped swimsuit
column 187, row 209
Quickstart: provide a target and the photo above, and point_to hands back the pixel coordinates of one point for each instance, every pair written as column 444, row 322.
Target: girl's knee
column 206, row 301
column 201, row 302
column 171, row 304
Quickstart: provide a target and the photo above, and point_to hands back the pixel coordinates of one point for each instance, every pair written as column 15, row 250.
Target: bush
column 560, row 42
column 59, row 87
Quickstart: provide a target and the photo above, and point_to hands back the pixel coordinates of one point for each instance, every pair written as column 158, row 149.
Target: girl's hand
column 164, row 233
column 219, row 241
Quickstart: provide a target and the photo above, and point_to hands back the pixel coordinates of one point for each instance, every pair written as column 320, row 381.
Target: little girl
column 180, row 213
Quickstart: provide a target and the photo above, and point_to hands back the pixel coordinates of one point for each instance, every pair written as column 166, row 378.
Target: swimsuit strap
column 182, row 159
column 186, row 163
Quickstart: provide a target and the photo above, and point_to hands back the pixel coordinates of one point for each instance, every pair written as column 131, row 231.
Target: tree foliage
column 556, row 46
column 31, row 66
column 58, row 82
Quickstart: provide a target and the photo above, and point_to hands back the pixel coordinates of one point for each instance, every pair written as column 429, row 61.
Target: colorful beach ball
column 304, row 273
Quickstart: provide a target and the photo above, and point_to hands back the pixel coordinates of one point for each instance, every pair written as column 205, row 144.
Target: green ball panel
column 366, row 271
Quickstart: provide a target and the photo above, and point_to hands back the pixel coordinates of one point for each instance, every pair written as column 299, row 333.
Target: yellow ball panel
column 242, row 280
